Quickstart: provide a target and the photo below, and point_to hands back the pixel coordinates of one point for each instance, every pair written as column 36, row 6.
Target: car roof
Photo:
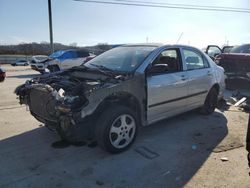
column 76, row 50
column 143, row 44
column 159, row 45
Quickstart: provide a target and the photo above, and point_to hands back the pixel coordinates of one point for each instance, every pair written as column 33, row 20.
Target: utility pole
column 50, row 27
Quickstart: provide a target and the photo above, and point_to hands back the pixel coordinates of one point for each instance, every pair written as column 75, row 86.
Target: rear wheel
column 210, row 102
column 116, row 129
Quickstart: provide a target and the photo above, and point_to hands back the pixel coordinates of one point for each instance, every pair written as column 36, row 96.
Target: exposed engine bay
column 63, row 99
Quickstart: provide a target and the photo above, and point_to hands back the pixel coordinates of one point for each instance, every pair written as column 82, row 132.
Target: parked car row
column 61, row 60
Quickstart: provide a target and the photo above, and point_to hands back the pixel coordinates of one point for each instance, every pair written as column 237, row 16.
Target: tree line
column 43, row 48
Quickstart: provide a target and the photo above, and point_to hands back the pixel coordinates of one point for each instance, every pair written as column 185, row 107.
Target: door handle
column 209, row 73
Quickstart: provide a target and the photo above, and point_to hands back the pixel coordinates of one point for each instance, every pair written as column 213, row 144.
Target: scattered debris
column 166, row 173
column 98, row 182
column 240, row 99
column 194, row 147
column 223, row 159
column 147, row 153
column 243, row 99
column 232, row 100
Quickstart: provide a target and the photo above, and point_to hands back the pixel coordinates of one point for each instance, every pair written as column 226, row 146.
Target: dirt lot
column 180, row 152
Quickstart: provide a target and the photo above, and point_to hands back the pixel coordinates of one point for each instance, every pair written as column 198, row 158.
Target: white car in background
column 65, row 59
column 20, row 62
column 37, row 63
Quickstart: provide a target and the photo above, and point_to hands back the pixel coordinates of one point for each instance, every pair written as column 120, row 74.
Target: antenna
column 179, row 38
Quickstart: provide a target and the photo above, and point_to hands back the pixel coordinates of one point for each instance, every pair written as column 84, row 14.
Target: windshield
column 56, row 54
column 122, row 59
column 241, row 49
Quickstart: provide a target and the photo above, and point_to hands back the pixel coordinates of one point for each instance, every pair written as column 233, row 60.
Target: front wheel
column 210, row 102
column 116, row 129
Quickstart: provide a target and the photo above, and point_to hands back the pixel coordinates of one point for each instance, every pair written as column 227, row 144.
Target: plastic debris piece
column 243, row 99
column 224, row 159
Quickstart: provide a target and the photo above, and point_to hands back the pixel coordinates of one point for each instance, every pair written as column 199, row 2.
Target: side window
column 213, row 51
column 194, row 60
column 171, row 58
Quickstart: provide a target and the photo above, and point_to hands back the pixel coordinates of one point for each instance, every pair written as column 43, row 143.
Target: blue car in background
column 65, row 59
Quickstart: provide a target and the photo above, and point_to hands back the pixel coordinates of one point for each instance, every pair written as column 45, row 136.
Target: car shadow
column 180, row 146
column 24, row 76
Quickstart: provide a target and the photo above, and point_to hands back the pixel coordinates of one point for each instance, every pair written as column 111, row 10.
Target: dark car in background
column 236, row 65
column 2, row 74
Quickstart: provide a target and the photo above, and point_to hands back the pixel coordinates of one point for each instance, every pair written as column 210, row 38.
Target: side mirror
column 157, row 68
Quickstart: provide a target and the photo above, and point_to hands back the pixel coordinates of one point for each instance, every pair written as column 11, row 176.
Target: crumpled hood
column 65, row 91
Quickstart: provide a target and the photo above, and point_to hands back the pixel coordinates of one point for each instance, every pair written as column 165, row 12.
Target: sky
column 24, row 21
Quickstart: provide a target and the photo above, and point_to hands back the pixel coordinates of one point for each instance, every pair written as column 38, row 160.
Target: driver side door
column 167, row 90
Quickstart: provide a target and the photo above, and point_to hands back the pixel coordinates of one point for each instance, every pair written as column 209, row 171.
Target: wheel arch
column 120, row 98
column 217, row 87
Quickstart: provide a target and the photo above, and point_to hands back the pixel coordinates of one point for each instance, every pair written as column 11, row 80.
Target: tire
column 116, row 129
column 210, row 102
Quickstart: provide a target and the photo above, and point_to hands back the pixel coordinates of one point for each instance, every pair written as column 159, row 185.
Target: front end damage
column 65, row 102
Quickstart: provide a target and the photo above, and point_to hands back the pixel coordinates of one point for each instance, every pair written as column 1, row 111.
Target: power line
column 173, row 6
column 184, row 5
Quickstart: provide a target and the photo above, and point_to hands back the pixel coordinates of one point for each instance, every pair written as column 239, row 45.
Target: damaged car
column 236, row 65
column 111, row 96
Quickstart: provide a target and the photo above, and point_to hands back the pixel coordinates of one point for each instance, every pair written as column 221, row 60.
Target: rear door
column 200, row 76
column 167, row 90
